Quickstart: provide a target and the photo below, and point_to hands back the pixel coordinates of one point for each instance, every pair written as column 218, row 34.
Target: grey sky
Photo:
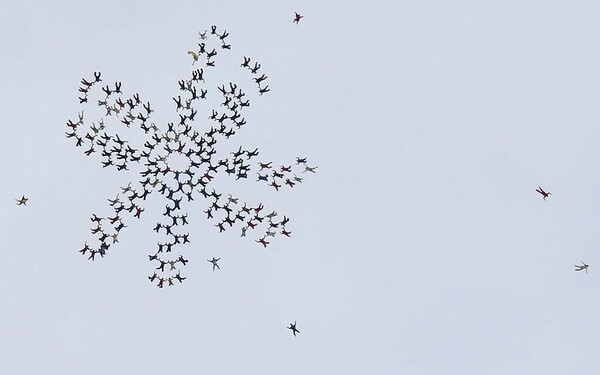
column 420, row 247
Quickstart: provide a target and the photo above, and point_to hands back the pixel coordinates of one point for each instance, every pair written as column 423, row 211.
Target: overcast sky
column 419, row 247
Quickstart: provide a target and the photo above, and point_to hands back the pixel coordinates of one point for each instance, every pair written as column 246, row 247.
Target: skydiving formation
column 180, row 160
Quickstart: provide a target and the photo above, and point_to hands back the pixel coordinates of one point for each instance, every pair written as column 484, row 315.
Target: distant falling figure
column 582, row 267
column 214, row 262
column 541, row 191
column 297, row 18
column 22, row 201
column 293, row 328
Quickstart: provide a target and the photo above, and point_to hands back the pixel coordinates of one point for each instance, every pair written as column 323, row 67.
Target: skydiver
column 227, row 101
column 113, row 219
column 178, row 102
column 229, row 133
column 118, row 87
column 147, row 108
column 286, row 169
column 184, row 219
column 239, row 216
column 202, row 35
column 245, row 209
column 127, row 188
column 138, row 212
column 213, row 30
column 214, row 263
column 260, row 79
column 264, row 90
column 183, row 261
column 237, row 153
column 289, row 182
column 309, row 169
column 211, row 54
column 541, row 191
column 293, row 328
column 97, row 77
column 178, row 277
column 123, row 166
column 582, row 267
column 107, row 90
column 222, row 129
column 285, row 233
column 85, row 248
column 96, row 218
column 114, row 201
column 263, row 242
column 265, row 165
column 199, row 75
column 210, row 63
column 72, row 125
column 255, row 69
column 182, row 119
column 229, row 221
column 297, row 18
column 245, row 63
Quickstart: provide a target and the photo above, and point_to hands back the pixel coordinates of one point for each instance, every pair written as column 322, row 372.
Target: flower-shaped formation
column 181, row 162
